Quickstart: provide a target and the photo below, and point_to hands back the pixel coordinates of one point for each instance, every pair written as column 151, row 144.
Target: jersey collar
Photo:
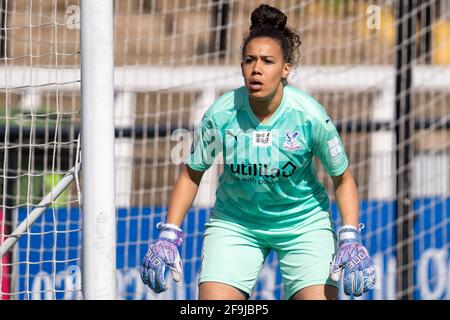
column 272, row 119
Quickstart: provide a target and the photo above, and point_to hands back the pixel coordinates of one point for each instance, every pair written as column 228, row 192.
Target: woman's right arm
column 183, row 195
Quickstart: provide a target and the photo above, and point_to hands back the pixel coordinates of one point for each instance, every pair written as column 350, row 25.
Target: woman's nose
column 257, row 67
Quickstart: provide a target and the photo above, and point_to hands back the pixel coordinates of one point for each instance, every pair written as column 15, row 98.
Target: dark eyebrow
column 253, row 56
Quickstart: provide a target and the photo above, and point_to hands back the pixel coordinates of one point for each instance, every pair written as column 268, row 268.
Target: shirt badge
column 262, row 138
column 291, row 143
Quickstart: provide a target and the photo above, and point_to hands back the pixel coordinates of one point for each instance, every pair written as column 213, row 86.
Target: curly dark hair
column 270, row 22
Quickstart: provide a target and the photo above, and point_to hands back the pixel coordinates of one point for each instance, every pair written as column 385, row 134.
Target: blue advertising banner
column 52, row 259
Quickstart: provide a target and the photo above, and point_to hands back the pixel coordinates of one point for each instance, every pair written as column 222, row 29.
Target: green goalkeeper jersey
column 269, row 177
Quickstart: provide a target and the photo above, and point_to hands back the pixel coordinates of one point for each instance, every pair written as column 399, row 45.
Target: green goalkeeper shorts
column 234, row 254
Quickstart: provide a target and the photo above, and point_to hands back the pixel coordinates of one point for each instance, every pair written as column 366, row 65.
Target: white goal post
column 97, row 136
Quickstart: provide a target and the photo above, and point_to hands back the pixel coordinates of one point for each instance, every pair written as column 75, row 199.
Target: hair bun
column 267, row 16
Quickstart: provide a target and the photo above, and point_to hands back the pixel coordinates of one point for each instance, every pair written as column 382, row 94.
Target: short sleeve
column 205, row 146
column 328, row 147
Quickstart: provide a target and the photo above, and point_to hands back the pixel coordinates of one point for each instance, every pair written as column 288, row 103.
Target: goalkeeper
column 269, row 196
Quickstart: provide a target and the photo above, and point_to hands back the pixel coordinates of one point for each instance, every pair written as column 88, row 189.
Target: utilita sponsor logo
column 262, row 170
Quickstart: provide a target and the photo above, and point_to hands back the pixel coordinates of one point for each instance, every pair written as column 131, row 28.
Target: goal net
column 388, row 95
column 39, row 127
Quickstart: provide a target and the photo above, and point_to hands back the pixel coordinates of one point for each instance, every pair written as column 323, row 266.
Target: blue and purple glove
column 162, row 253
column 353, row 259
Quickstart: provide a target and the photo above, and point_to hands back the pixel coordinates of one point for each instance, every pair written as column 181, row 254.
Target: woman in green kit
column 269, row 197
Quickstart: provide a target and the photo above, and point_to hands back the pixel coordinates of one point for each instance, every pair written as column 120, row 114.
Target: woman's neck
column 263, row 109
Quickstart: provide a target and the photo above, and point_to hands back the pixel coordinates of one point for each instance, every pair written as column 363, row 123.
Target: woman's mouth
column 255, row 85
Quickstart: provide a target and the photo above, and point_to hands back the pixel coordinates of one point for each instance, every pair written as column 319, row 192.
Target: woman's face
column 263, row 67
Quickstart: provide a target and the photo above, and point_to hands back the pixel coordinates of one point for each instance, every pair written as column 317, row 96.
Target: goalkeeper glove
column 162, row 253
column 353, row 259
